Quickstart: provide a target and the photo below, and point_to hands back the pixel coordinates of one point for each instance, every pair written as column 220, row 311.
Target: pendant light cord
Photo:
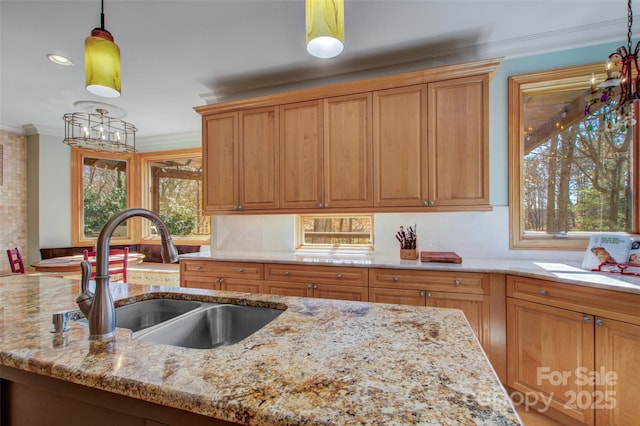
column 102, row 16
column 629, row 25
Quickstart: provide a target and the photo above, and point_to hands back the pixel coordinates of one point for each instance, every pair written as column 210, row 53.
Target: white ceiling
column 179, row 54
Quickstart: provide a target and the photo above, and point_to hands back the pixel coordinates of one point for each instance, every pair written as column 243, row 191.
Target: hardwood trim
column 77, row 210
column 488, row 66
column 498, row 325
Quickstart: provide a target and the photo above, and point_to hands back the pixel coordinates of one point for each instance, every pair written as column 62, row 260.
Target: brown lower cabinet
column 574, row 352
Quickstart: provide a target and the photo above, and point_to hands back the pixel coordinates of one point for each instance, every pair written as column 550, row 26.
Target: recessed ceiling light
column 60, row 60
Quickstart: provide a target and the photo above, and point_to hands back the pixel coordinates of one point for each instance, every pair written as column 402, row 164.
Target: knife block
column 409, row 254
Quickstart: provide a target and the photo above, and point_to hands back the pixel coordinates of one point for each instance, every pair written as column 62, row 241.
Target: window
column 172, row 187
column 335, row 232
column 102, row 186
column 571, row 175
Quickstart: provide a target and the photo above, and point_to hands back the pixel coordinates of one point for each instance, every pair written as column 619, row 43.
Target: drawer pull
column 586, row 320
column 286, row 272
column 240, row 270
column 421, row 294
column 315, row 286
column 456, row 282
column 599, row 322
column 309, row 286
column 428, row 294
column 543, row 292
column 339, row 276
column 221, row 280
column 395, row 279
column 199, row 267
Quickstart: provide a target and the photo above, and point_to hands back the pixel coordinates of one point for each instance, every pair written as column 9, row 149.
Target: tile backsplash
column 470, row 234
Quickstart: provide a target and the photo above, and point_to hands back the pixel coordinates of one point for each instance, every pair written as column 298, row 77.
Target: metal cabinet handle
column 286, row 272
column 543, row 292
column 431, row 203
column 199, row 268
column 586, row 320
column 395, row 279
column 320, row 205
column 221, row 280
column 428, row 294
column 240, row 270
column 326, row 205
column 315, row 286
column 309, row 286
column 239, row 207
column 421, row 294
column 339, row 276
column 425, row 203
column 599, row 322
column 456, row 282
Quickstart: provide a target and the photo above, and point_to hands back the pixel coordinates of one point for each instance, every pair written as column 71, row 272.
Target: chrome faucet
column 98, row 308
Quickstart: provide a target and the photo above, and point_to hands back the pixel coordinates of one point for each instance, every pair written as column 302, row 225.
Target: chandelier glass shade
column 99, row 132
column 325, row 27
column 619, row 90
column 102, row 62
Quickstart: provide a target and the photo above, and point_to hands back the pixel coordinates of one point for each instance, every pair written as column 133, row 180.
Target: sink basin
column 140, row 315
column 211, row 327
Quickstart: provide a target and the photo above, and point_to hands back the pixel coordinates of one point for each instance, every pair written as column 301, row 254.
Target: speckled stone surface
column 565, row 272
column 320, row 362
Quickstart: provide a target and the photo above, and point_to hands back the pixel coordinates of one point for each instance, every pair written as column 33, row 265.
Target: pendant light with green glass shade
column 102, row 62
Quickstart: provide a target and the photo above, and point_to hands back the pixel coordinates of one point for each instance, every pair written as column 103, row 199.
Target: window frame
column 143, row 161
column 331, row 248
column 77, row 195
column 550, row 80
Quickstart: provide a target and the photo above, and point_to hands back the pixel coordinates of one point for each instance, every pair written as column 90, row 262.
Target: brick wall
column 13, row 195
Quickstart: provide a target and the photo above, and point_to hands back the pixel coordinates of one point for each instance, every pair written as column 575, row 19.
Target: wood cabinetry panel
column 340, row 292
column 348, row 151
column 396, row 296
column 196, row 269
column 399, row 146
column 317, row 274
column 618, row 355
column 607, row 303
column 464, row 282
column 459, row 152
column 301, row 154
column 220, row 157
column 258, row 163
column 545, row 343
column 295, row 289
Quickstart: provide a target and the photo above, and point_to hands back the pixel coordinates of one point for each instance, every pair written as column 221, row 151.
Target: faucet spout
column 98, row 307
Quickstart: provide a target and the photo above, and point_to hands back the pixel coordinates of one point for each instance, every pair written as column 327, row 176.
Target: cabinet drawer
column 463, row 282
column 588, row 300
column 317, row 274
column 246, row 270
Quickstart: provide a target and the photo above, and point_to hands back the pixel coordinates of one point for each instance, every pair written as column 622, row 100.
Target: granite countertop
column 561, row 271
column 320, row 362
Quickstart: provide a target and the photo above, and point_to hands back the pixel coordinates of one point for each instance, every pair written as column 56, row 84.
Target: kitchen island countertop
column 320, row 362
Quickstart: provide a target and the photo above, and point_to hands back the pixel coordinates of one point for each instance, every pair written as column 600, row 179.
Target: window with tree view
column 573, row 172
column 331, row 232
column 174, row 185
column 104, row 192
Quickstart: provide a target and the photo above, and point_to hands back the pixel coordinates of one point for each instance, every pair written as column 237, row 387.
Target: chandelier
column 617, row 93
column 99, row 132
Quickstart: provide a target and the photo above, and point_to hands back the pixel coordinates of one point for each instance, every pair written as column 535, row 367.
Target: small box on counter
column 408, row 254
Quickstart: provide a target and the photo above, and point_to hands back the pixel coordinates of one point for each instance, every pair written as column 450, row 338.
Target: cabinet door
column 288, row 289
column 397, row 296
column 208, row 283
column 475, row 308
column 258, row 165
column 459, row 141
column 399, row 146
column 340, row 292
column 546, row 347
column 241, row 285
column 348, row 151
column 617, row 394
column 301, row 155
column 220, row 156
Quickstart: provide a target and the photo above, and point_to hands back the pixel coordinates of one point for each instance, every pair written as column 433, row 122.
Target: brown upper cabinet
column 410, row 142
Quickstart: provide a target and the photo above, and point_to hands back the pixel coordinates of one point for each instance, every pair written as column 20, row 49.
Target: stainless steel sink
column 147, row 313
column 210, row 327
